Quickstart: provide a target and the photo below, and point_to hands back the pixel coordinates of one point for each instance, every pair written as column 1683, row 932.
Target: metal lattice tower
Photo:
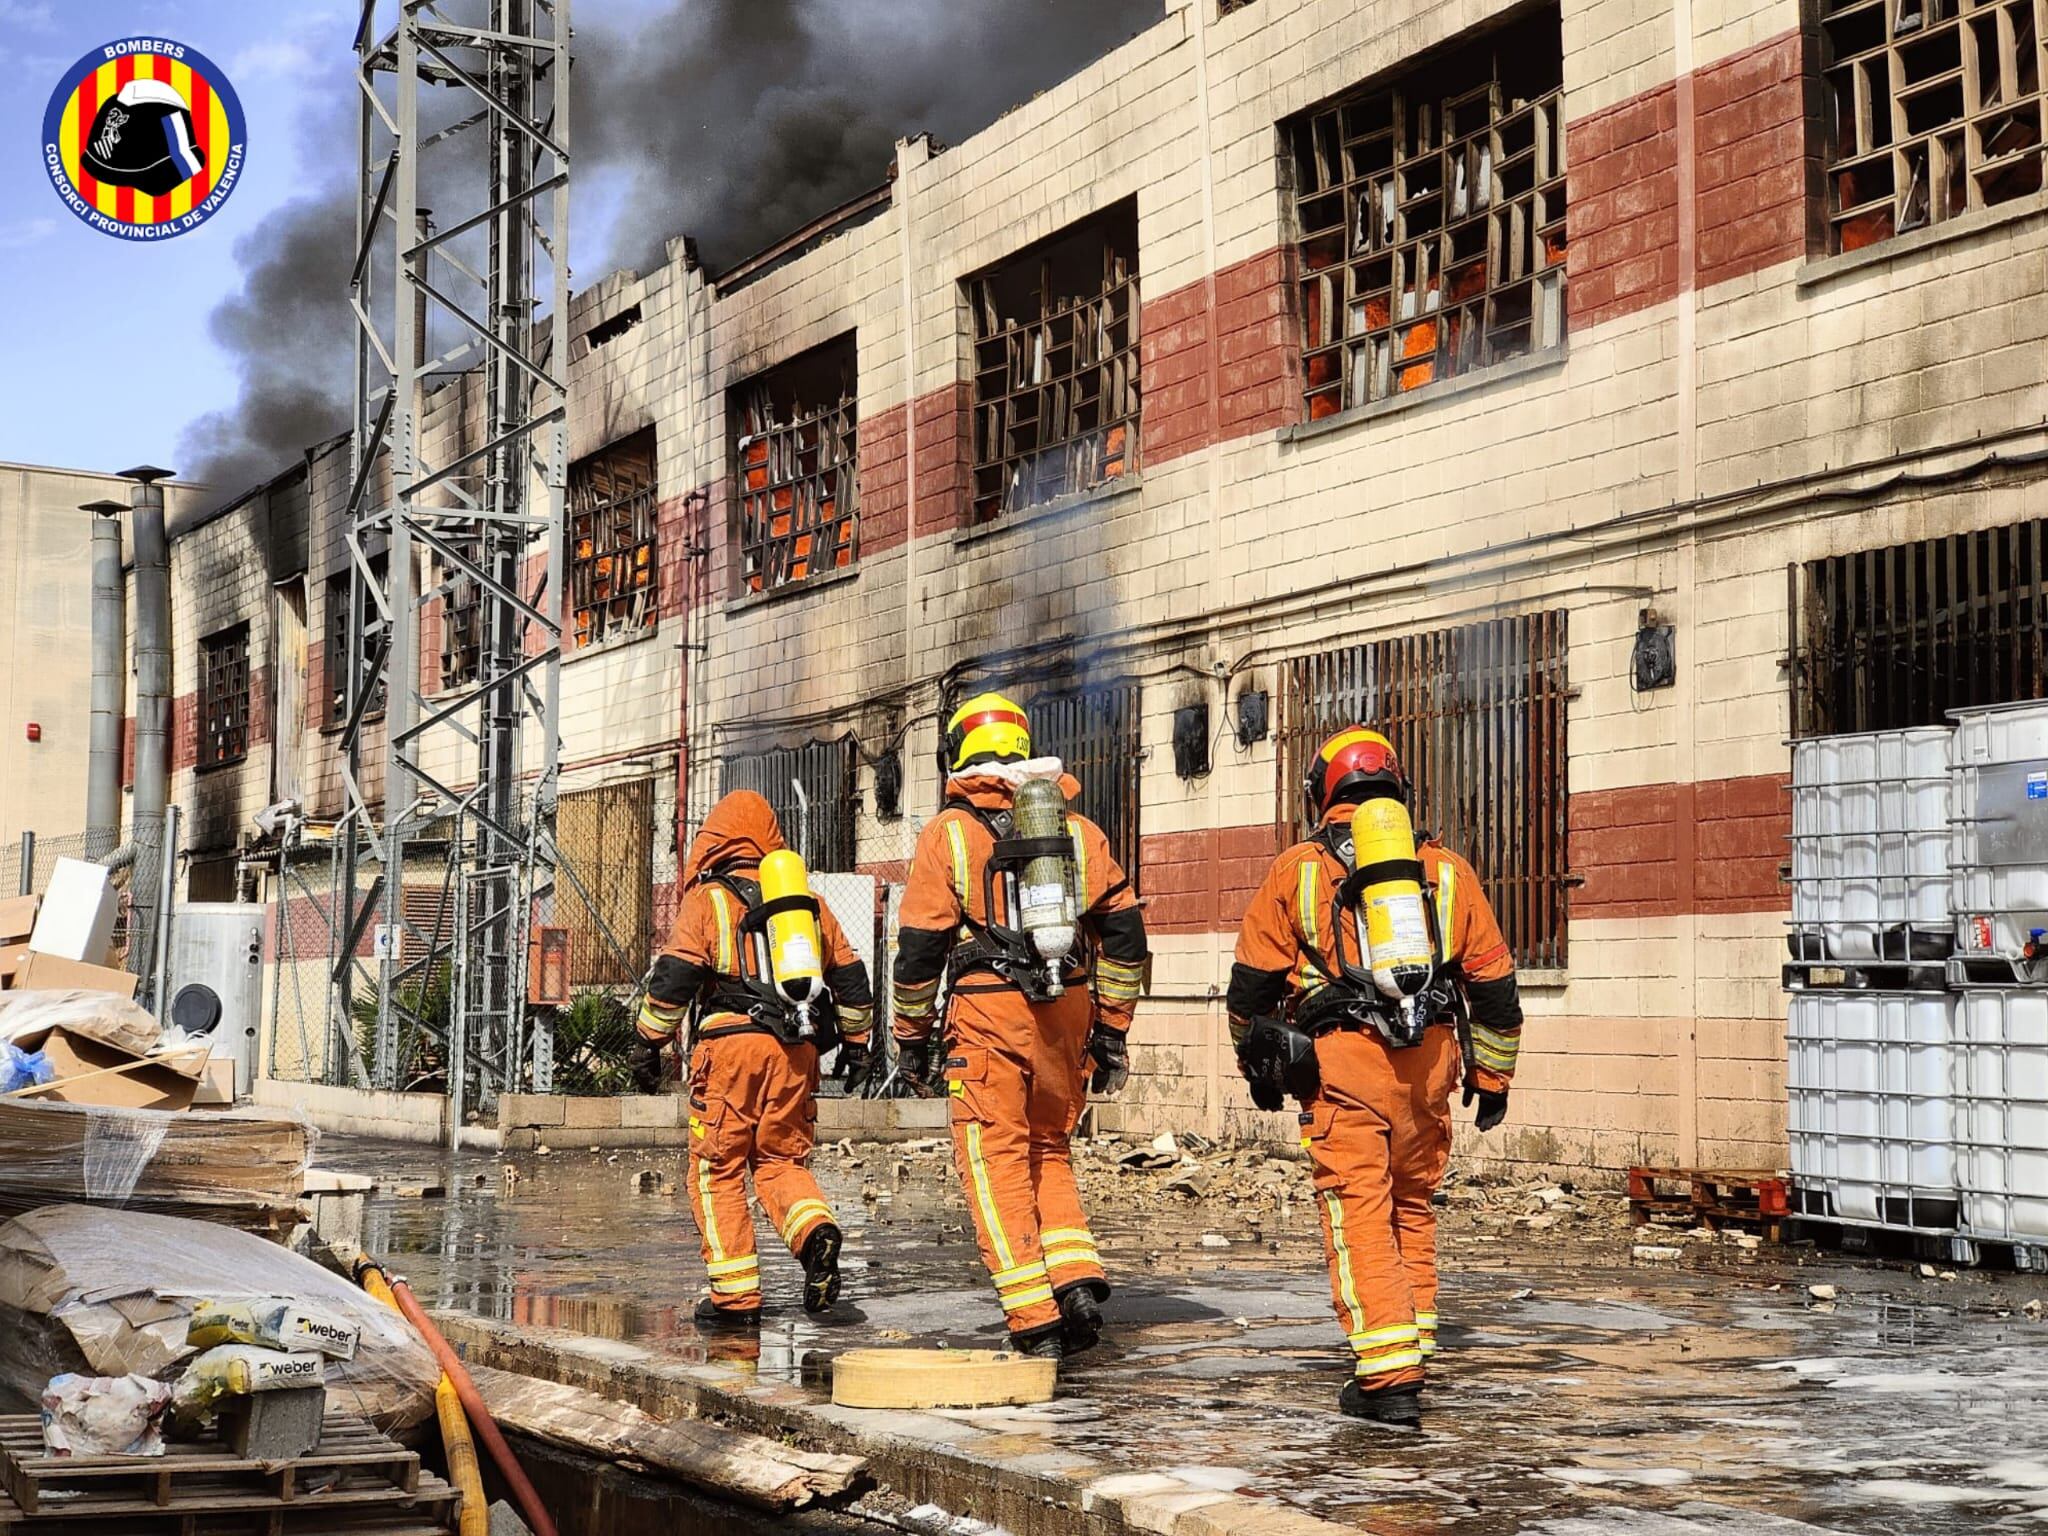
column 468, row 98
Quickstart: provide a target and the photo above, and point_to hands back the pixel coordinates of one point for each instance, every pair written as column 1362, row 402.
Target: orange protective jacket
column 1291, row 916
column 945, row 894
column 706, row 945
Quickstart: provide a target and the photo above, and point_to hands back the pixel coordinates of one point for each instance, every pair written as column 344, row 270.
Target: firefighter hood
column 992, row 786
column 740, row 831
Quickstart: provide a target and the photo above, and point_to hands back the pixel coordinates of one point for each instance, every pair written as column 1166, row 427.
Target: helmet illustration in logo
column 143, row 138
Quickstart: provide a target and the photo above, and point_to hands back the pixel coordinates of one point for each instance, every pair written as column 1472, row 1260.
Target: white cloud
column 25, row 232
column 274, row 59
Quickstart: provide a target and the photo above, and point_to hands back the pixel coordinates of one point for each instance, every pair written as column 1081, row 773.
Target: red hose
column 473, row 1405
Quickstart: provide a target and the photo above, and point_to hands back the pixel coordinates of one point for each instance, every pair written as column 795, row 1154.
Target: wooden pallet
column 354, row 1465
column 432, row 1513
column 1755, row 1199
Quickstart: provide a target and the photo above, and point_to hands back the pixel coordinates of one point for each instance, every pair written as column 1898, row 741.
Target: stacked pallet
column 358, row 1483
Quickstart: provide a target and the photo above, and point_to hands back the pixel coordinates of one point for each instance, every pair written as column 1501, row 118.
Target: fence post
column 28, row 863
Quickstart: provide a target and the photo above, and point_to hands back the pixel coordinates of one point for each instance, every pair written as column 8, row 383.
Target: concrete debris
column 505, row 1521
column 1926, row 1271
column 1654, row 1253
column 2032, row 1310
column 1823, row 1292
column 646, row 1182
column 1215, row 1240
column 1193, row 1185
column 1164, row 1142
column 543, row 1150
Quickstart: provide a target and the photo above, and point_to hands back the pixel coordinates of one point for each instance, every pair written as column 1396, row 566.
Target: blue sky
column 85, row 308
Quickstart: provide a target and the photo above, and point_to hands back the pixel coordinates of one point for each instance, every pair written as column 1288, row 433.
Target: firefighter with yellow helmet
column 1370, row 978
column 1016, row 903
column 767, row 981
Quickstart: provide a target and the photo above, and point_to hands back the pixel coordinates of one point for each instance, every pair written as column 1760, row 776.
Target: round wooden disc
column 939, row 1378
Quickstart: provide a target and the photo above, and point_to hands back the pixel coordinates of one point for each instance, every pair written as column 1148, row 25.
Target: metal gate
column 606, row 836
column 811, row 788
column 1478, row 716
column 1096, row 733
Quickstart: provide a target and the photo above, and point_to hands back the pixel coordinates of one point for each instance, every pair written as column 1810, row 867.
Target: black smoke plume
column 732, row 121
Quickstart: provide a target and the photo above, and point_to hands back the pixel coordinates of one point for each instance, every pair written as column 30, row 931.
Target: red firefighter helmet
column 1355, row 764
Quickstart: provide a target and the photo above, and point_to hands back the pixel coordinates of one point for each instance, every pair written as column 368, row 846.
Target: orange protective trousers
column 1378, row 1135
column 1017, row 1077
column 753, row 1108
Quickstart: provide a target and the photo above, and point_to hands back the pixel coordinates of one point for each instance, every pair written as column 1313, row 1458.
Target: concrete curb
column 957, row 1465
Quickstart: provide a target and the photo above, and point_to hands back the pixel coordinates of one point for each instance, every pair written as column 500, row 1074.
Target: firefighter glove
column 1493, row 1107
column 1277, row 1059
column 853, row 1061
column 914, row 1062
column 643, row 1060
column 1112, row 1063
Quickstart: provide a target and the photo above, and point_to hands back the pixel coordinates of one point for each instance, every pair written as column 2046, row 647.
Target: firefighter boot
column 1395, row 1407
column 1080, row 1314
column 734, row 1319
column 820, row 1260
column 1046, row 1343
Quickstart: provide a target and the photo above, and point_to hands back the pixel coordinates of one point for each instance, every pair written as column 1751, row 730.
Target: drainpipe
column 109, row 694
column 152, row 649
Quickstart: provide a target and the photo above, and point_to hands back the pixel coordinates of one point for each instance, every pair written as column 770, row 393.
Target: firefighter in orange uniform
column 1369, row 972
column 753, row 1059
column 1022, row 909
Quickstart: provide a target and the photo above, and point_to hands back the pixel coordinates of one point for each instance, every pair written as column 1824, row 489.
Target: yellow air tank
column 1394, row 938
column 795, row 948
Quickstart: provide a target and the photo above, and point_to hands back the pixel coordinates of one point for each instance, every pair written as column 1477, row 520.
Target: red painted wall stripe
column 1660, row 850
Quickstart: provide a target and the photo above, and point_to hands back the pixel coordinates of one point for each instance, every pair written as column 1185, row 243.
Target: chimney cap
column 104, row 508
column 146, row 473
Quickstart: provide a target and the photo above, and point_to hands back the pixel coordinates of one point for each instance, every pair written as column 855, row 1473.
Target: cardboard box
column 12, row 958
column 18, row 918
column 77, row 917
column 167, row 1083
column 51, row 973
column 216, row 1084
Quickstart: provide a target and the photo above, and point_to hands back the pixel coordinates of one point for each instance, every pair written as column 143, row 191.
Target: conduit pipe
column 109, row 681
column 456, row 1442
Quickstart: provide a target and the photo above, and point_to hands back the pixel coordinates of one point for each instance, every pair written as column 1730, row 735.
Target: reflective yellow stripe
column 1398, row 1360
column 1446, row 906
column 749, row 1264
column 745, row 1287
column 802, row 1212
column 1400, row 1333
column 657, row 1021
column 1017, row 1301
column 1492, row 1049
column 991, row 1218
column 958, row 838
column 1032, row 1271
column 720, row 904
column 1081, row 902
column 704, row 1202
column 1350, row 1291
column 1305, row 901
column 1425, row 1320
column 1053, row 1235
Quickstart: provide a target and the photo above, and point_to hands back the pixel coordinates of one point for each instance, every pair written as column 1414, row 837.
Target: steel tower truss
column 466, row 101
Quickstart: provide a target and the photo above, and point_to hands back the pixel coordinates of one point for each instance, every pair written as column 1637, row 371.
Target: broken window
column 606, row 835
column 1887, row 639
column 337, row 642
column 462, row 627
column 1225, row 7
column 1431, row 211
column 1932, row 107
column 1477, row 715
column 794, row 462
column 811, row 788
column 1094, row 731
column 612, row 528
column 224, row 697
column 1056, row 366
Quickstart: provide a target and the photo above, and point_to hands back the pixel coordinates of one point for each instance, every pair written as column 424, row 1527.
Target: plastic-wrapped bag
column 106, row 1292
column 23, row 1069
column 104, row 1415
column 99, row 1016
column 236, row 1370
column 273, row 1322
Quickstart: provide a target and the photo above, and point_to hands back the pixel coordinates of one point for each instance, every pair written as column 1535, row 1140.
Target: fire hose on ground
column 460, row 1408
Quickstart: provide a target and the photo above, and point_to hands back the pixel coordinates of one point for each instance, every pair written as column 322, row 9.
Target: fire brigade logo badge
column 144, row 139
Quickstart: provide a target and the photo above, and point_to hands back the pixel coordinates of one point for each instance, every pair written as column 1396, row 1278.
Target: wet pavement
column 1579, row 1393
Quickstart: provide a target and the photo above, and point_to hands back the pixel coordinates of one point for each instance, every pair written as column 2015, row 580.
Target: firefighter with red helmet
column 1370, row 978
column 767, row 981
column 1018, row 905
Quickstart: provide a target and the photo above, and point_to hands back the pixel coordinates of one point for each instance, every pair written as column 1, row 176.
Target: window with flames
column 795, row 461
column 224, row 697
column 613, row 522
column 1431, row 218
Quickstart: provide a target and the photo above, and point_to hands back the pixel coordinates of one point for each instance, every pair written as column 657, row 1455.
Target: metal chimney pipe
column 152, row 649
column 109, row 681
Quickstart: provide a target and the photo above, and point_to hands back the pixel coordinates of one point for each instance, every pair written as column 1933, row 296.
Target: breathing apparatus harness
column 752, row 993
column 1009, row 952
column 1350, row 998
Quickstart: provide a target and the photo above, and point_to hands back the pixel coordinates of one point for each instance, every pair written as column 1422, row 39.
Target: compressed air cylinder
column 1045, row 895
column 794, row 946
column 1395, row 941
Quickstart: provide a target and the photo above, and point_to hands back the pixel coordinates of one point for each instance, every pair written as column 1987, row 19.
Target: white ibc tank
column 1870, row 846
column 2001, row 1082
column 2000, row 852
column 1869, row 1111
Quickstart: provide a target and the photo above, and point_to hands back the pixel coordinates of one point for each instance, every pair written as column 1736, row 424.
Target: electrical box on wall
column 1653, row 663
column 1191, row 741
